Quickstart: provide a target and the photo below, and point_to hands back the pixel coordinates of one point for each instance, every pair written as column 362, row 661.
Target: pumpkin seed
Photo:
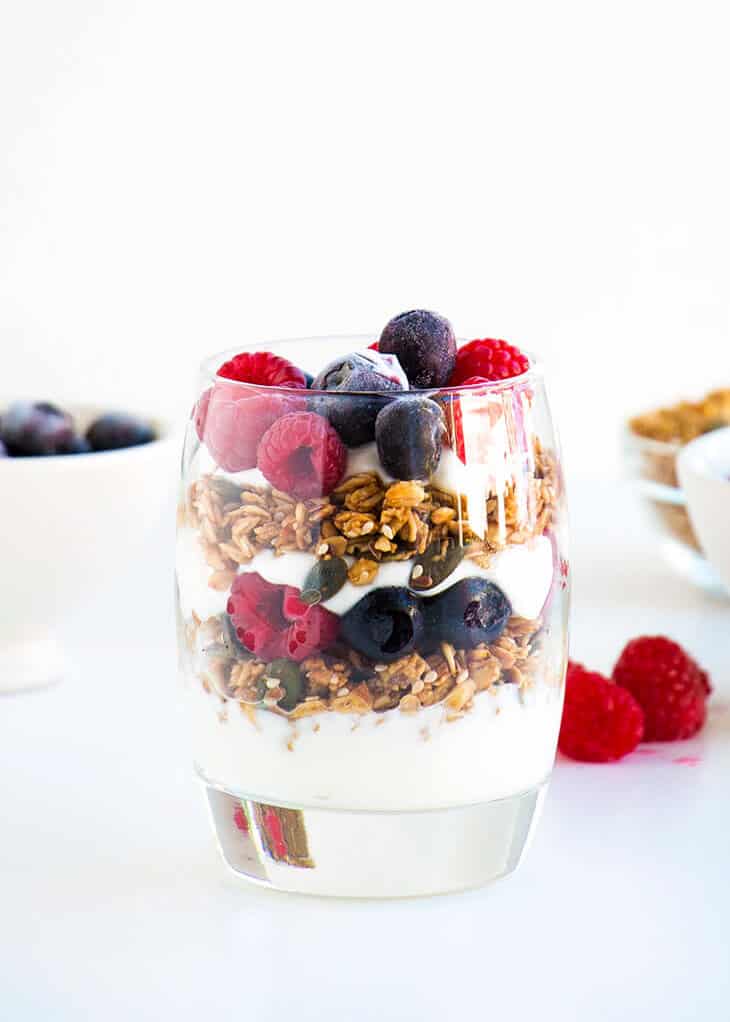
column 431, row 568
column 289, row 676
column 324, row 580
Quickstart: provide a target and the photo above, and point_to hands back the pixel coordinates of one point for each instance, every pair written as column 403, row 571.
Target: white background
column 177, row 177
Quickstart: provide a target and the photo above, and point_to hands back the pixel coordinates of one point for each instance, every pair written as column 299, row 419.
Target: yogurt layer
column 523, row 572
column 503, row 746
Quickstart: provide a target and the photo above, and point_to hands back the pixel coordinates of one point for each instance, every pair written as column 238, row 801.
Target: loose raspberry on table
column 272, row 621
column 669, row 685
column 302, row 455
column 488, row 359
column 263, row 368
column 601, row 721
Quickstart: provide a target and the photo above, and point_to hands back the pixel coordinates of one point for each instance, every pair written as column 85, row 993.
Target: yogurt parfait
column 372, row 590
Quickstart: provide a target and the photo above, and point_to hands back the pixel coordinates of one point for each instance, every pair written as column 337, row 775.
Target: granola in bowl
column 653, row 441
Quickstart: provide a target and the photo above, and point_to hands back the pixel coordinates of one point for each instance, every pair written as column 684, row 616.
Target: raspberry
column 272, row 621
column 302, row 454
column 601, row 721
column 200, row 412
column 488, row 359
column 375, row 346
column 669, row 685
column 263, row 368
column 481, row 416
column 234, row 420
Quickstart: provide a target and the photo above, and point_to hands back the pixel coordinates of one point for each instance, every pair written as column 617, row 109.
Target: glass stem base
column 359, row 854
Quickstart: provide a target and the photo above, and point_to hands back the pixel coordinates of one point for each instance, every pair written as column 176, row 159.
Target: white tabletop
column 114, row 906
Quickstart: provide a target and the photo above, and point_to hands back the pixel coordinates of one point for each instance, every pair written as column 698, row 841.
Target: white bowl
column 704, row 472
column 68, row 525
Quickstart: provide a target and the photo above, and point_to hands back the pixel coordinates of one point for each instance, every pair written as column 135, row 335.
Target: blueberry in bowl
column 35, row 429
column 115, row 430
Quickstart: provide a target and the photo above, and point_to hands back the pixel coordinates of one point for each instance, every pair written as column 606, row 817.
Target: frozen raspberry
column 670, row 687
column 302, row 454
column 272, row 621
column 233, row 420
column 601, row 721
column 263, row 368
column 488, row 359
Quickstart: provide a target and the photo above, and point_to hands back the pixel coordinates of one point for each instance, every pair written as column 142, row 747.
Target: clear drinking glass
column 373, row 662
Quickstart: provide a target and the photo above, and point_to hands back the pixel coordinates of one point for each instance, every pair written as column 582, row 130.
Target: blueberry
column 117, row 429
column 425, row 345
column 3, row 450
column 385, row 624
column 36, row 429
column 353, row 417
column 409, row 433
column 77, row 445
column 469, row 612
column 310, row 380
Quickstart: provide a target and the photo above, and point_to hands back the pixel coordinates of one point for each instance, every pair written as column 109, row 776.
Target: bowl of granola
column 652, row 444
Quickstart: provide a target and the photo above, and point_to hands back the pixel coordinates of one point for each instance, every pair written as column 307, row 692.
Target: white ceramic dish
column 704, row 472
column 68, row 526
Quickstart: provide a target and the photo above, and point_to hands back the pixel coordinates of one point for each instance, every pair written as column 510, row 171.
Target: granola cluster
column 348, row 683
column 364, row 518
column 686, row 420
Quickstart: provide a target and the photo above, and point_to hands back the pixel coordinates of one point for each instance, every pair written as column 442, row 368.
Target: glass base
column 372, row 854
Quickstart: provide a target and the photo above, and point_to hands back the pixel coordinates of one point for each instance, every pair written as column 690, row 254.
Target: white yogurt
column 503, row 746
column 365, row 459
column 193, row 573
column 524, row 573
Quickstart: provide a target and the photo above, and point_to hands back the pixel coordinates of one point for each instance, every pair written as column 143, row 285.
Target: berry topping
column 233, row 422
column 302, row 455
column 36, row 429
column 385, row 624
column 468, row 613
column 200, row 412
column 601, row 721
column 489, row 360
column 273, row 622
column 424, row 344
column 263, row 368
column 668, row 684
column 409, row 433
column 354, row 417
column 116, row 430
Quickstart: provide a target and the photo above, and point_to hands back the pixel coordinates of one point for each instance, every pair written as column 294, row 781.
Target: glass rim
column 209, row 369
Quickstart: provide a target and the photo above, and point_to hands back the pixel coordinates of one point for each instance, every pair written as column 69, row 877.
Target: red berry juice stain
column 690, row 761
column 645, row 752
